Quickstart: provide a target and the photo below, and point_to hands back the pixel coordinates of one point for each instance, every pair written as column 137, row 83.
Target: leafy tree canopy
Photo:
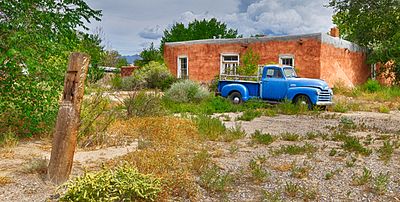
column 374, row 24
column 36, row 38
column 204, row 29
column 148, row 55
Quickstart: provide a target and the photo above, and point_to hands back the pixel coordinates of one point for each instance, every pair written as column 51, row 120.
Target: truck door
column 274, row 85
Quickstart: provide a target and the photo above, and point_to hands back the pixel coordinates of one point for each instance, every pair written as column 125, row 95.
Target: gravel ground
column 372, row 128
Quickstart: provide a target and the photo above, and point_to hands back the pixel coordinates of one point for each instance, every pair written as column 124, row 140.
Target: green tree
column 36, row 38
column 121, row 62
column 148, row 55
column 374, row 24
column 204, row 29
column 250, row 61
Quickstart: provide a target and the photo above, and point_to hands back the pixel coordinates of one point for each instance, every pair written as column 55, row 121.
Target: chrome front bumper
column 324, row 103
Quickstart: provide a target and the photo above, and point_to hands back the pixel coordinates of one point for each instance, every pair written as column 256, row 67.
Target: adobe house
column 127, row 70
column 316, row 55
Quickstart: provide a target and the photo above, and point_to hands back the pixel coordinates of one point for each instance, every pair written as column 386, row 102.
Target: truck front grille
column 325, row 96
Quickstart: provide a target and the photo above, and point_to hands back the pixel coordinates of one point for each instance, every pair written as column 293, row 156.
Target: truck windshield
column 289, row 73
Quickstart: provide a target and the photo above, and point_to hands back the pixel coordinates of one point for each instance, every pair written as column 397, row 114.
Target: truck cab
column 277, row 83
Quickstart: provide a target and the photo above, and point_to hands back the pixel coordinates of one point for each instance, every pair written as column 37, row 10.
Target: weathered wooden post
column 67, row 126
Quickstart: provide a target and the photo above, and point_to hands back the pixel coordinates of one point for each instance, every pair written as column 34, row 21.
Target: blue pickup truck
column 276, row 83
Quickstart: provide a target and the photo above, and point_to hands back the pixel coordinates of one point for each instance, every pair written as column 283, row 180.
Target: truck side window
column 270, row 73
column 277, row 74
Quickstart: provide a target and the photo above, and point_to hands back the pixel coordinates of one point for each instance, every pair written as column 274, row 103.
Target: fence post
column 68, row 118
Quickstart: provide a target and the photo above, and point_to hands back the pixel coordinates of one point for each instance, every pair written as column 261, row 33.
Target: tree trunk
column 67, row 126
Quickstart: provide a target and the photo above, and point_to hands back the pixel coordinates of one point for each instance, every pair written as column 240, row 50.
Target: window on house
column 286, row 60
column 183, row 71
column 229, row 64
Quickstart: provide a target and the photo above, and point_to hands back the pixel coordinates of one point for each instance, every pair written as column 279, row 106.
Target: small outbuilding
column 318, row 55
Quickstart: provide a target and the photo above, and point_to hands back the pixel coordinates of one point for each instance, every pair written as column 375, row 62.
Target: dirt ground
column 22, row 183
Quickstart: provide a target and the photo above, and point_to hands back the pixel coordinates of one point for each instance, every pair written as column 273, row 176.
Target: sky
column 129, row 26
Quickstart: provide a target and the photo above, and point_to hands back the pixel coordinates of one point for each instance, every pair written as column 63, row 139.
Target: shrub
column 297, row 150
column 214, row 180
column 8, row 139
column 121, row 184
column 249, row 115
column 288, row 108
column 142, row 104
column 94, row 74
column 386, row 151
column 258, row 173
column 352, row 144
column 340, row 107
column 201, row 161
column 233, row 133
column 116, row 82
column 134, row 82
column 187, row 91
column 210, row 128
column 261, row 138
column 287, row 136
column 157, row 76
column 96, row 116
column 371, row 86
column 153, row 76
column 380, row 183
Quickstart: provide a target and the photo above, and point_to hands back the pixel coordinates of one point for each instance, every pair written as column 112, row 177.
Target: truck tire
column 235, row 98
column 303, row 100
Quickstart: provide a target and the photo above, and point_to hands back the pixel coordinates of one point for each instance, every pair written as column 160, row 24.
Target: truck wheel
column 303, row 100
column 236, row 98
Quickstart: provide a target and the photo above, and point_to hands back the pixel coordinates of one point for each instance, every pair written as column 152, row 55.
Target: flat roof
column 323, row 37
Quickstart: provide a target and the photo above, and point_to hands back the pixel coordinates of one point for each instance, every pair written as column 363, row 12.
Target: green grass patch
column 290, row 136
column 262, row 138
column 210, row 128
column 124, row 183
column 213, row 180
column 297, row 150
column 249, row 115
column 352, row 144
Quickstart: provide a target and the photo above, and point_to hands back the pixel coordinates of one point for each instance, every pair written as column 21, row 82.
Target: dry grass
column 172, row 142
column 4, row 180
column 36, row 166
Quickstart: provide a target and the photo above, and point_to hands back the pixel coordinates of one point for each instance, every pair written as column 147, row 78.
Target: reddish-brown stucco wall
column 343, row 65
column 204, row 59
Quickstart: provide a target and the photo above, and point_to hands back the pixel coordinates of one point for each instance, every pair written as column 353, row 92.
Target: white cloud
column 151, row 32
column 130, row 26
column 276, row 17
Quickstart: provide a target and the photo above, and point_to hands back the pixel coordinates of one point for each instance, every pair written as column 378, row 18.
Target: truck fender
column 310, row 92
column 229, row 88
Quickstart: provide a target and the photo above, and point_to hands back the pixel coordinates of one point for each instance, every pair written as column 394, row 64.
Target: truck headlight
column 318, row 91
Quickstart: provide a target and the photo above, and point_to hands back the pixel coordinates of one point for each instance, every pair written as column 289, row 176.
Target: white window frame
column 178, row 74
column 287, row 56
column 221, row 67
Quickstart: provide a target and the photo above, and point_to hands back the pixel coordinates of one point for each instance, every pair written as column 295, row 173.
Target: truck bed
column 252, row 86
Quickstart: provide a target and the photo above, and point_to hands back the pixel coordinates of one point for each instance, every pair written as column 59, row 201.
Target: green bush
column 157, row 76
column 213, row 180
column 116, row 81
column 233, row 133
column 187, row 91
column 96, row 115
column 261, row 138
column 249, row 115
column 371, row 86
column 121, row 184
column 142, row 104
column 134, row 82
column 154, row 75
column 210, row 128
column 94, row 74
